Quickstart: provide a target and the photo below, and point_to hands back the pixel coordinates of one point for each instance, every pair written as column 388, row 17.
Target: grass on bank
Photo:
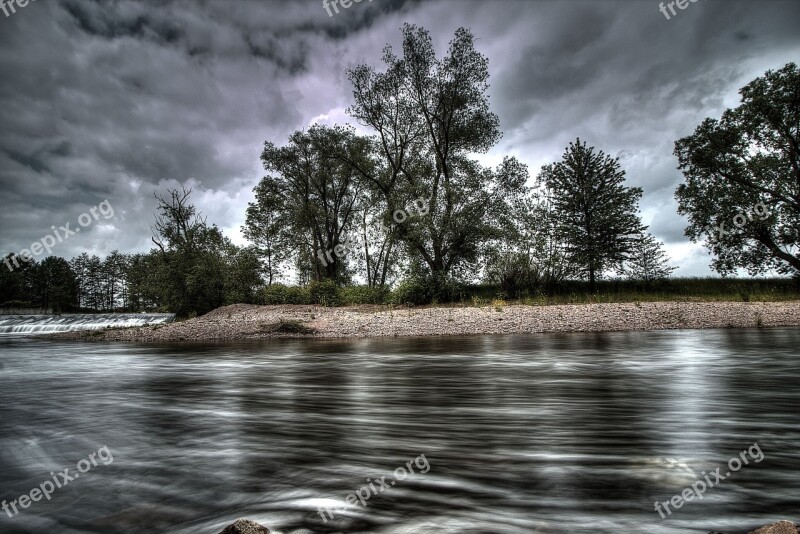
column 573, row 292
column 287, row 326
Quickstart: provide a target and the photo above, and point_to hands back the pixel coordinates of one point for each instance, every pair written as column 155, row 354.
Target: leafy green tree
column 242, row 275
column 91, row 281
column 316, row 193
column 429, row 116
column 55, row 285
column 530, row 254
column 113, row 272
column 597, row 214
column 188, row 268
column 742, row 190
column 79, row 267
column 381, row 259
column 15, row 282
column 647, row 261
column 141, row 295
column 268, row 227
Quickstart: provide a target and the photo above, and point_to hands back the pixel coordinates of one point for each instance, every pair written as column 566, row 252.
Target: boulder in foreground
column 245, row 526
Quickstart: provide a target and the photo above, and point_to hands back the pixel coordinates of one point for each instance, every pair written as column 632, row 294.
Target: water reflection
column 550, row 433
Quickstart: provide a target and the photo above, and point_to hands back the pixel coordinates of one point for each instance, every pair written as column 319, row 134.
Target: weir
column 48, row 324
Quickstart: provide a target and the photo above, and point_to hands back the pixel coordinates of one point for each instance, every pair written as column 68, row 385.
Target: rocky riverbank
column 244, row 321
column 245, row 526
column 781, row 527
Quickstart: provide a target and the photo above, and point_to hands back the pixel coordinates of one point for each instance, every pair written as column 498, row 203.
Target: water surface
column 539, row 433
column 68, row 322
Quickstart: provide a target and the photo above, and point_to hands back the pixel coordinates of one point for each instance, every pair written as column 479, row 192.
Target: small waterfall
column 48, row 324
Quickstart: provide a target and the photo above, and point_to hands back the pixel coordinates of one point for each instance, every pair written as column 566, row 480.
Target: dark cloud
column 121, row 99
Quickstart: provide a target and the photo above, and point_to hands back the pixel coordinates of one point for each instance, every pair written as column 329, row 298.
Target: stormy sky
column 119, row 99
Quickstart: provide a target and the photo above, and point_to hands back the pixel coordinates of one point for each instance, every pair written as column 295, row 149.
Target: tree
column 16, row 283
column 113, row 272
column 647, row 261
column 79, row 267
column 381, row 258
column 187, row 273
column 429, row 116
column 597, row 214
column 530, row 255
column 55, row 284
column 242, row 277
column 178, row 226
column 91, row 281
column 733, row 166
column 316, row 193
column 141, row 295
column 267, row 226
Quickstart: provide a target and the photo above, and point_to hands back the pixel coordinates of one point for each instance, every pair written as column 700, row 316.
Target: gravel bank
column 244, row 321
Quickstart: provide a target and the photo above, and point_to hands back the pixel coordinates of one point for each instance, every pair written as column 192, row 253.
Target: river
column 504, row 434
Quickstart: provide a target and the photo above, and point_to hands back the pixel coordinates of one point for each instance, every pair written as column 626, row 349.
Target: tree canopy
column 748, row 158
column 429, row 116
column 597, row 215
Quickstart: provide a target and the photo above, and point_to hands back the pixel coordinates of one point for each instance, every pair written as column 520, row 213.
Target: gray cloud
column 120, row 99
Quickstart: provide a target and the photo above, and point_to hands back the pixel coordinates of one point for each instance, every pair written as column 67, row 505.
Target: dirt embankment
column 244, row 321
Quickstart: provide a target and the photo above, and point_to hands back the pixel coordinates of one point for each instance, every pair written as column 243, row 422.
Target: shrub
column 479, row 301
column 287, row 326
column 413, row 290
column 364, row 295
column 426, row 290
column 16, row 304
column 325, row 293
column 281, row 294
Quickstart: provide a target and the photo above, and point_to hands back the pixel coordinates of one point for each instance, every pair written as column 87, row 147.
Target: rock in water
column 245, row 526
column 781, row 527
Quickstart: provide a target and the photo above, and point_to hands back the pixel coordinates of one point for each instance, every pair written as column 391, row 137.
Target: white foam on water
column 49, row 324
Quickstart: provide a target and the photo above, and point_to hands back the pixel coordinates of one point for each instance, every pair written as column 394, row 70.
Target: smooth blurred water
column 69, row 322
column 541, row 433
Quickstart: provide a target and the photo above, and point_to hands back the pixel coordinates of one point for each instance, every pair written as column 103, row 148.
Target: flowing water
column 49, row 324
column 508, row 434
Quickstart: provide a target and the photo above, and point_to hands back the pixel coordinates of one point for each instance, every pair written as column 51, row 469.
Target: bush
column 325, row 293
column 426, row 290
column 364, row 295
column 414, row 290
column 281, row 294
column 288, row 326
column 16, row 304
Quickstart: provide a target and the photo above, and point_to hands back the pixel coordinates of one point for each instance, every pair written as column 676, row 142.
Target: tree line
column 191, row 270
column 429, row 118
column 327, row 210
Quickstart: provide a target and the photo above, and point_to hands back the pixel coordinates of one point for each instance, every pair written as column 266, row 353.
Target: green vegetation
column 411, row 292
column 49, row 284
column 674, row 289
column 409, row 212
column 597, row 215
column 742, row 190
column 193, row 269
column 287, row 327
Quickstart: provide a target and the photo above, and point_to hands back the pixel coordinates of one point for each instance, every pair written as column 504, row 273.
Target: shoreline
column 248, row 321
